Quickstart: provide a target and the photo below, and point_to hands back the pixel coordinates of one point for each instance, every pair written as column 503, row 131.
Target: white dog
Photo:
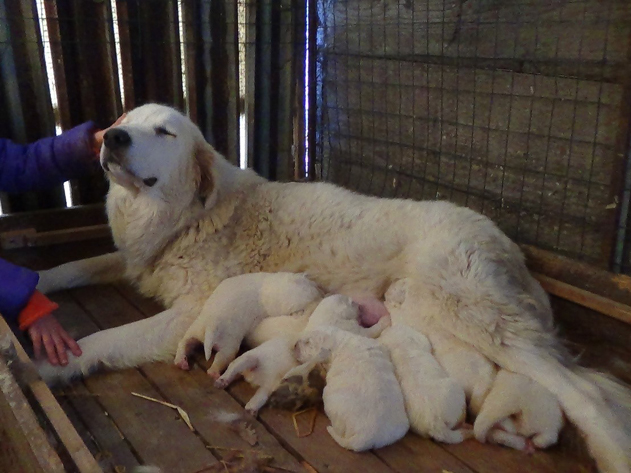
column 534, row 413
column 263, row 366
column 362, row 397
column 472, row 370
column 237, row 306
column 435, row 403
column 340, row 311
column 184, row 219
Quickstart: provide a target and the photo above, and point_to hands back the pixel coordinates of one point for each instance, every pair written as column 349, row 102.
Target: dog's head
column 159, row 152
column 333, row 309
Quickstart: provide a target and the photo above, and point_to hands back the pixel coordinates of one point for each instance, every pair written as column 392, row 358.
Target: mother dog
column 184, row 219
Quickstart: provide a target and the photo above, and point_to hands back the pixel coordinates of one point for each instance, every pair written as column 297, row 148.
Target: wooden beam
column 64, row 429
column 24, row 443
column 585, row 298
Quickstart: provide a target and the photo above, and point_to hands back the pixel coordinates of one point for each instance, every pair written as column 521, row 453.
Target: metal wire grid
column 512, row 109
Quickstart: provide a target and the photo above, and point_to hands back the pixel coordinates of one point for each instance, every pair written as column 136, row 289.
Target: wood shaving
column 180, row 411
column 308, row 467
column 314, row 415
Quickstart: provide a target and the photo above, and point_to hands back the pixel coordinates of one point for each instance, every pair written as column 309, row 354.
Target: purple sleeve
column 47, row 162
column 17, row 284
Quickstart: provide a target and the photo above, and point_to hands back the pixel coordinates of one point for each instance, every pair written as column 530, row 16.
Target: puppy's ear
column 205, row 181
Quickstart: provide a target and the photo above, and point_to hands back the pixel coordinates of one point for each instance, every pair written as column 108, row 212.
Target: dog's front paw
column 54, row 374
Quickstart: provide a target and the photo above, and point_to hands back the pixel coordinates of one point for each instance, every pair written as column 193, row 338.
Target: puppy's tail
column 595, row 403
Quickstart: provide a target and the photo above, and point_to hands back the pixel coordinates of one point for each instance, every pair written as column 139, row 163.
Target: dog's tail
column 595, row 403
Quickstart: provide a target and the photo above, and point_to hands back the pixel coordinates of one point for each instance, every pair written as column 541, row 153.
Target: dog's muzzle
column 116, row 139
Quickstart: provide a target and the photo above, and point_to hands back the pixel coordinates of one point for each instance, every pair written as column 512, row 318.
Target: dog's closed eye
column 161, row 131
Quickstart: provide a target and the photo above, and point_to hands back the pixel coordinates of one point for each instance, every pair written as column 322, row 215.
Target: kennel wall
column 519, row 110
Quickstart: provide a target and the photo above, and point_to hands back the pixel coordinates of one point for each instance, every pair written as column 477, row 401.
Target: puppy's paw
column 252, row 411
column 183, row 364
column 213, row 373
column 529, row 447
column 221, row 383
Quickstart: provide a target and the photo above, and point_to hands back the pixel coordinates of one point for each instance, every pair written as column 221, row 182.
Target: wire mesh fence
column 516, row 109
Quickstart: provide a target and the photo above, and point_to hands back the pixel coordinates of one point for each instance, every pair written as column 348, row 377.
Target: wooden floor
column 123, row 430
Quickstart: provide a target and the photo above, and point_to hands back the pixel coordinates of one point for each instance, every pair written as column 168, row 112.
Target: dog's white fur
column 237, row 306
column 435, row 403
column 263, row 366
column 205, row 220
column 342, row 312
column 533, row 410
column 362, row 397
column 472, row 370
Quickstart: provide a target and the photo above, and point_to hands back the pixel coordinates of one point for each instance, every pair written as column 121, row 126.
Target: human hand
column 48, row 332
column 98, row 136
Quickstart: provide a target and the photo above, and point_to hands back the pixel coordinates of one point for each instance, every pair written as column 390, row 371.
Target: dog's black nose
column 116, row 138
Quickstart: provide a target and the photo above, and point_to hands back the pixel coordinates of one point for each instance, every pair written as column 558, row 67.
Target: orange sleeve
column 37, row 307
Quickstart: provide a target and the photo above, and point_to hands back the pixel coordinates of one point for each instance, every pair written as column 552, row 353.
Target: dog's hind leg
column 224, row 356
column 152, row 339
column 245, row 362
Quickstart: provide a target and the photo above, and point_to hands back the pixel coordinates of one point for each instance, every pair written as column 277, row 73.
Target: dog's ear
column 205, row 181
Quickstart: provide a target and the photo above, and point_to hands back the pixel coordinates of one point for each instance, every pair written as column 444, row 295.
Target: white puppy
column 435, row 403
column 263, row 366
column 362, row 397
column 473, row 371
column 236, row 307
column 534, row 411
column 340, row 311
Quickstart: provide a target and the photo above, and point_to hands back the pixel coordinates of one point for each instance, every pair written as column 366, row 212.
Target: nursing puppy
column 184, row 219
column 362, row 397
column 534, row 414
column 435, row 403
column 468, row 367
column 342, row 312
column 237, row 306
column 263, row 366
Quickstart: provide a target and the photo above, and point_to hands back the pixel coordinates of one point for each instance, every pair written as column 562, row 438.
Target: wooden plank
column 288, row 73
column 413, row 454
column 299, row 112
column 54, row 414
column 29, row 237
column 187, row 389
column 484, row 458
column 149, row 426
column 615, row 287
column 263, row 91
column 56, row 219
column 33, row 111
column 319, row 449
column 25, row 446
column 113, row 447
column 146, row 425
column 154, row 38
column 192, row 32
column 126, row 62
column 194, row 392
column 587, row 299
column 249, row 109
